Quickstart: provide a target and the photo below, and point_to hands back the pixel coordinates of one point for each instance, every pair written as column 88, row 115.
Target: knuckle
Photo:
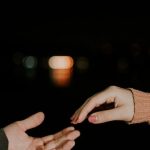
column 112, row 87
column 100, row 118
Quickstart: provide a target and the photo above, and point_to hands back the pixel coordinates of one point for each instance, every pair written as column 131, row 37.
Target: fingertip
column 73, row 122
column 73, row 135
column 32, row 121
column 71, row 128
column 80, row 119
column 71, row 144
column 68, row 145
column 75, row 118
column 72, row 117
column 78, row 133
column 41, row 115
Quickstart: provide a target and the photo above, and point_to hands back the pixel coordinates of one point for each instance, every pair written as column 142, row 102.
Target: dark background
column 117, row 48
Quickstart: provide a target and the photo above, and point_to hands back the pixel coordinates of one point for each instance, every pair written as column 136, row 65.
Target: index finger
column 57, row 135
column 95, row 101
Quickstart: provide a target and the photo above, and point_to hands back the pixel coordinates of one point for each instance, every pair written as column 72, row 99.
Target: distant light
column 82, row 63
column 30, row 62
column 60, row 62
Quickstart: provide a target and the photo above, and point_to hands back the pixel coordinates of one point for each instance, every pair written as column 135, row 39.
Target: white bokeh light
column 60, row 62
column 30, row 62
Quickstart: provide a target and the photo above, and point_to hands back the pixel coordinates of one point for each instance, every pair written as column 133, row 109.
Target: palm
column 23, row 142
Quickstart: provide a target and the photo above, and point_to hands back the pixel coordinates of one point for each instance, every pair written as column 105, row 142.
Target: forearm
column 3, row 140
column 142, row 106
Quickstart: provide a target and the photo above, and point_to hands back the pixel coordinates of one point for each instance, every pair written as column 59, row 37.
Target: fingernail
column 93, row 118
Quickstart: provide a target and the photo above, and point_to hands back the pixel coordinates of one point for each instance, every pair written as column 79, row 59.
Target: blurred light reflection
column 61, row 70
column 61, row 77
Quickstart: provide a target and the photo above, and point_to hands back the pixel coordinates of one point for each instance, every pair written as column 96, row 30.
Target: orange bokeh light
column 61, row 77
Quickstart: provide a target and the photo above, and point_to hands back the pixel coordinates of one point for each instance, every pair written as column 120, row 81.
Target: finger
column 57, row 135
column 83, row 112
column 105, row 116
column 74, row 116
column 63, row 132
column 87, row 106
column 72, row 135
column 68, row 145
column 38, row 143
column 32, row 121
column 40, row 148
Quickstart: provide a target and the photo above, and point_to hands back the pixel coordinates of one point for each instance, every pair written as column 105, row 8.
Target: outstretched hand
column 19, row 139
column 123, row 110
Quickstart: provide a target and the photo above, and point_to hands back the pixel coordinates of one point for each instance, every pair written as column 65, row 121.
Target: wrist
column 141, row 106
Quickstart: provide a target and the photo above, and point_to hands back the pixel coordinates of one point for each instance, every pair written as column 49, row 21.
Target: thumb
column 105, row 116
column 32, row 121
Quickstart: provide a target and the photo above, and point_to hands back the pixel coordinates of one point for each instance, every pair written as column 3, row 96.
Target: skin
column 123, row 110
column 20, row 140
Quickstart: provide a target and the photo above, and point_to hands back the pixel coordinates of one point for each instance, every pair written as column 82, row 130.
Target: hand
column 19, row 140
column 123, row 110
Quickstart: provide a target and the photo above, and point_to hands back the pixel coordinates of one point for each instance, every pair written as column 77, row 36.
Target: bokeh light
column 61, row 68
column 60, row 62
column 82, row 63
column 30, row 62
